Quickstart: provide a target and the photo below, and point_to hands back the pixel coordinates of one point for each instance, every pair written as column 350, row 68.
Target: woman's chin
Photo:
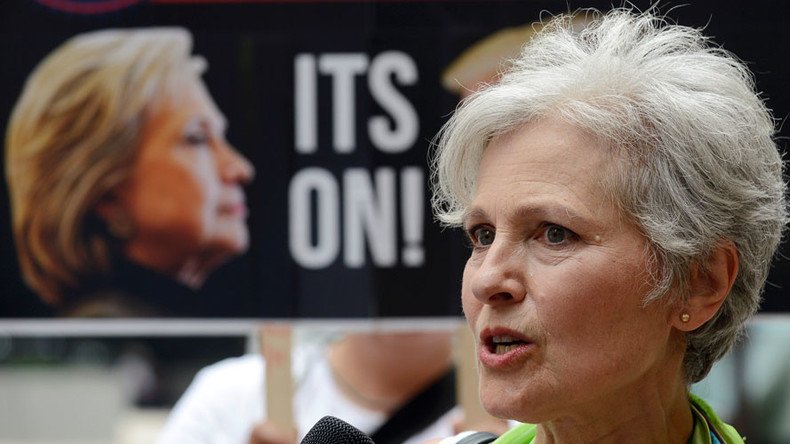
column 505, row 401
column 232, row 243
column 499, row 403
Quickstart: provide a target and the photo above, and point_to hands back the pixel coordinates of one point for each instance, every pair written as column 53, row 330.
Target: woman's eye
column 484, row 235
column 556, row 234
column 196, row 138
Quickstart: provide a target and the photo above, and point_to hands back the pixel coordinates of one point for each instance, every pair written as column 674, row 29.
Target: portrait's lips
column 500, row 348
column 234, row 209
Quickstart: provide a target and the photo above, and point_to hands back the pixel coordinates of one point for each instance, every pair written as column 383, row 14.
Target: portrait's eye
column 483, row 235
column 196, row 138
column 556, row 234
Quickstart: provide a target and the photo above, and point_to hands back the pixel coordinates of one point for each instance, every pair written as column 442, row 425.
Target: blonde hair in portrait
column 72, row 139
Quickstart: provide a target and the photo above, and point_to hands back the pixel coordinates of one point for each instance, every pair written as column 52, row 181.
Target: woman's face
column 184, row 194
column 554, row 285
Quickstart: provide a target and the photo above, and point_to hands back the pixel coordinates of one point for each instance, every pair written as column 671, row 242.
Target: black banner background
column 251, row 49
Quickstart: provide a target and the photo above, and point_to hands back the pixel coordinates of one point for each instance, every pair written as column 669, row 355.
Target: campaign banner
column 328, row 110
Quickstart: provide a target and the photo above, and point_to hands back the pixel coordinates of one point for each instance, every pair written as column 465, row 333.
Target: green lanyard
column 705, row 423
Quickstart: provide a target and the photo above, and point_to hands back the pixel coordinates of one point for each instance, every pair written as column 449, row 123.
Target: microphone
column 331, row 430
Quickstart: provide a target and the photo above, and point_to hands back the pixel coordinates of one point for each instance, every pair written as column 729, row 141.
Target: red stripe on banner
column 88, row 7
column 195, row 2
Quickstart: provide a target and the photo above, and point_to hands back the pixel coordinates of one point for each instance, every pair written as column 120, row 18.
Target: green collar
column 705, row 421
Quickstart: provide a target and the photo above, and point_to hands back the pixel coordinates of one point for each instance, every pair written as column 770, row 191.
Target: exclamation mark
column 412, row 198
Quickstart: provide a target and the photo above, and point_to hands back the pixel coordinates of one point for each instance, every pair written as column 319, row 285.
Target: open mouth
column 502, row 344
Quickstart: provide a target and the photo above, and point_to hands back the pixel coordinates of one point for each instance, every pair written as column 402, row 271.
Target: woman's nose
column 234, row 167
column 500, row 278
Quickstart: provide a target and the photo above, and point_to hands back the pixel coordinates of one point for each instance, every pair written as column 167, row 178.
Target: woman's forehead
column 188, row 96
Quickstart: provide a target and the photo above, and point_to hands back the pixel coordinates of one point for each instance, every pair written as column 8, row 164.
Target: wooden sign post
column 276, row 343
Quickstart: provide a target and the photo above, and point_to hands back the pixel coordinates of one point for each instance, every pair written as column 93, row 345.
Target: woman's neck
column 382, row 371
column 190, row 271
column 656, row 410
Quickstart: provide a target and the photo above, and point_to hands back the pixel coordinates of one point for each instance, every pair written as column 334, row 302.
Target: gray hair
column 695, row 160
column 72, row 138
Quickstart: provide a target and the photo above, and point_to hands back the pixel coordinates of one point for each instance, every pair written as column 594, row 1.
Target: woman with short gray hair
column 623, row 196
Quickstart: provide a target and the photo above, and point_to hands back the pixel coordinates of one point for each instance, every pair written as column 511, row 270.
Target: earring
column 685, row 317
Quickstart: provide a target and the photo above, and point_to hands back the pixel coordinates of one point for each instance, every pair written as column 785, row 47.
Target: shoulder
column 111, row 303
column 238, row 379
column 221, row 404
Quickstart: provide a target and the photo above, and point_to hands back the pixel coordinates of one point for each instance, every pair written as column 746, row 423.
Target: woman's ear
column 709, row 284
column 115, row 216
column 106, row 207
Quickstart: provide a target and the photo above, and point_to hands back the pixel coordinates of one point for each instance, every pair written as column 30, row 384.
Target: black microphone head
column 331, row 430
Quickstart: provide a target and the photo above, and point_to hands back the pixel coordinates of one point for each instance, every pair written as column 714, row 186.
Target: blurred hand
column 266, row 432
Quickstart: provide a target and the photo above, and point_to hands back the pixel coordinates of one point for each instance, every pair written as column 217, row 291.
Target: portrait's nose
column 234, row 167
column 500, row 278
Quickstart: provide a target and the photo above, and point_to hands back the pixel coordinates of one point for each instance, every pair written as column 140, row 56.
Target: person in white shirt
column 365, row 379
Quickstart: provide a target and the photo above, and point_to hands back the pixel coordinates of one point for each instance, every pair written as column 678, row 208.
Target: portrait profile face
column 554, row 286
column 184, row 194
